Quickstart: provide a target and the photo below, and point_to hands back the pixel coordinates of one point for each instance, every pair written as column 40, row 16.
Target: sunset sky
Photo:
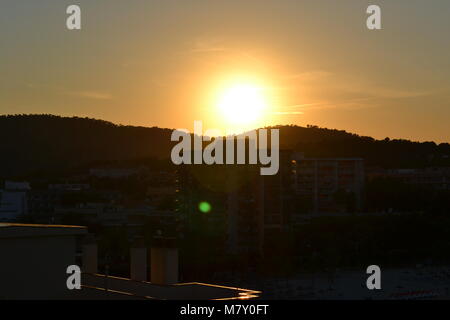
column 167, row 63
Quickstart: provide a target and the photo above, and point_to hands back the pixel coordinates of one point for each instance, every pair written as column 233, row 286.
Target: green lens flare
column 204, row 206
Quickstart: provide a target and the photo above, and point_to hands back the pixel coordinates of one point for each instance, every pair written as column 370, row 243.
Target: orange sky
column 163, row 63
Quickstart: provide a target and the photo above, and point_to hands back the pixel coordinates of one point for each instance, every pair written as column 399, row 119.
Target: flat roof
column 179, row 291
column 21, row 230
column 330, row 159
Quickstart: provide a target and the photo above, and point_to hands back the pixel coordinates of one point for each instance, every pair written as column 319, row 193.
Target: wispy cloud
column 334, row 90
column 207, row 46
column 287, row 112
column 353, row 104
column 306, row 105
column 345, row 84
column 309, row 75
column 389, row 93
column 90, row 95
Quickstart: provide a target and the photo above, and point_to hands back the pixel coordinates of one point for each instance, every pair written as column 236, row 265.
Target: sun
column 242, row 105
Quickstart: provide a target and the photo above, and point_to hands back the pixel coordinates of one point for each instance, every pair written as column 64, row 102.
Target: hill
column 32, row 143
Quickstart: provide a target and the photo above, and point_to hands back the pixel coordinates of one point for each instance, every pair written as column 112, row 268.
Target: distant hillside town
column 339, row 201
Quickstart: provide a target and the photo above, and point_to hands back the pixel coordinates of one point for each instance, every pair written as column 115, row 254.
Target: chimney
column 89, row 259
column 138, row 260
column 164, row 261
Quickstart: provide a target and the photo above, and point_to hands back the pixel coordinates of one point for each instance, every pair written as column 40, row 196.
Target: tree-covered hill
column 31, row 143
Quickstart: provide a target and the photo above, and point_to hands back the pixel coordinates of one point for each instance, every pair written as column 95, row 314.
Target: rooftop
column 19, row 230
column 93, row 287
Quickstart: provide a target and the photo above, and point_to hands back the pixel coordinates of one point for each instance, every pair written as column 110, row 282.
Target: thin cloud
column 207, row 46
column 381, row 92
column 306, row 105
column 398, row 94
column 90, row 95
column 356, row 103
column 310, row 75
column 208, row 49
column 287, row 112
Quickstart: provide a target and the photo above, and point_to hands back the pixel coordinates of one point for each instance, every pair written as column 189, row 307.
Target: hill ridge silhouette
column 33, row 142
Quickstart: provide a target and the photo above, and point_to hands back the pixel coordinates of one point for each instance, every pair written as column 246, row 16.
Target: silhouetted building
column 248, row 203
column 433, row 178
column 69, row 186
column 13, row 200
column 35, row 259
column 330, row 184
column 113, row 173
column 245, row 212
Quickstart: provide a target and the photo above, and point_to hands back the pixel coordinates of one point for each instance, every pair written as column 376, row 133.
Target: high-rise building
column 13, row 200
column 330, row 184
column 241, row 199
column 253, row 209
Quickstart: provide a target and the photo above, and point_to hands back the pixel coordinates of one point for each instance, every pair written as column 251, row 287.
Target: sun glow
column 242, row 106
